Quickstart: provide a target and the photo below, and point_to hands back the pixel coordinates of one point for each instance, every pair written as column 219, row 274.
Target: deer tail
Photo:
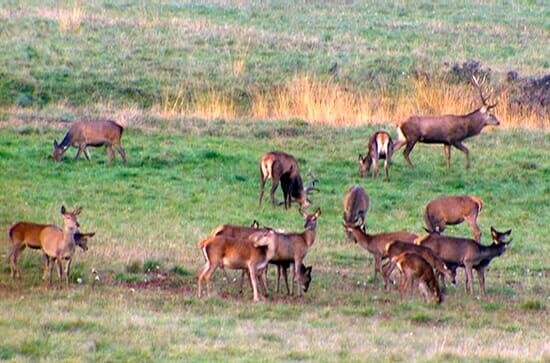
column 10, row 232
column 400, row 135
column 478, row 201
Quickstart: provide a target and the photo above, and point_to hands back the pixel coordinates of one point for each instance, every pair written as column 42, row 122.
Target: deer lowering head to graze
column 93, row 133
column 282, row 168
column 453, row 210
column 59, row 244
column 395, row 248
column 414, row 267
column 380, row 147
column 467, row 253
column 376, row 243
column 356, row 205
column 27, row 234
column 240, row 254
column 291, row 247
column 449, row 130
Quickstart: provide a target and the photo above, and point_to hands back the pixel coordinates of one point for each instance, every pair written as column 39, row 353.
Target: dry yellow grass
column 70, row 19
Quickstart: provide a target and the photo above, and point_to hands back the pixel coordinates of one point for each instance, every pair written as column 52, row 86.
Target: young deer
column 93, row 133
column 282, row 167
column 449, row 130
column 453, row 210
column 396, row 248
column 27, row 234
column 376, row 244
column 59, row 244
column 289, row 248
column 415, row 267
column 467, row 253
column 380, row 147
column 356, row 205
column 240, row 254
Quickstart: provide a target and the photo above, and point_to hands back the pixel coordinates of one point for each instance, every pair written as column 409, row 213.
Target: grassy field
column 185, row 178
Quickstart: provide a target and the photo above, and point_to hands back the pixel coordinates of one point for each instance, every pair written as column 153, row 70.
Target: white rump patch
column 400, row 134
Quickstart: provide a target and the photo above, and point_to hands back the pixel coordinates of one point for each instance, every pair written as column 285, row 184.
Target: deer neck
column 69, row 242
column 492, row 251
column 361, row 237
column 474, row 122
column 309, row 236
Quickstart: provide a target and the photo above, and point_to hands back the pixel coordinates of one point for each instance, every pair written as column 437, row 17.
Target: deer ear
column 508, row 232
column 318, row 213
column 55, row 144
column 77, row 211
column 255, row 224
column 308, row 269
column 494, row 232
column 360, row 157
column 63, row 210
column 302, row 212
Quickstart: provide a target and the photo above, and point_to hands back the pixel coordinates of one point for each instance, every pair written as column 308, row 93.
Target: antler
column 311, row 185
column 478, row 85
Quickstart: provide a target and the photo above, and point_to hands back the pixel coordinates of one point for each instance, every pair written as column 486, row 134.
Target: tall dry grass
column 325, row 101
column 70, row 20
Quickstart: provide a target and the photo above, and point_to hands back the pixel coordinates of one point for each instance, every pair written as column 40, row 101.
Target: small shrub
column 535, row 305
column 123, row 277
column 134, row 267
column 421, row 318
column 178, row 270
column 151, row 265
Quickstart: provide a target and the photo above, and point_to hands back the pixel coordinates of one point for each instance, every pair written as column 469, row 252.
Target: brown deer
column 414, row 267
column 93, row 133
column 59, row 244
column 356, row 205
column 453, row 210
column 27, row 234
column 380, row 147
column 467, row 253
column 233, row 253
column 282, row 167
column 396, row 248
column 286, row 248
column 376, row 243
column 449, row 130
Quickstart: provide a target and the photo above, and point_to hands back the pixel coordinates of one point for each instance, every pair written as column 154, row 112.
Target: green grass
column 184, row 179
column 134, row 52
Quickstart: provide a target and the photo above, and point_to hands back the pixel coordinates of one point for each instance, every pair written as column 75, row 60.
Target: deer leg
column 376, row 269
column 408, row 149
column 15, row 251
column 299, row 275
column 86, row 154
column 60, row 271
column 121, row 152
column 469, row 278
column 481, row 276
column 254, row 281
column 109, row 149
column 274, row 185
column 285, row 276
column 386, row 273
column 472, row 222
column 447, row 149
column 387, row 168
column 51, row 263
column 460, row 146
column 278, row 278
column 77, row 156
column 46, row 262
column 243, row 276
column 68, row 272
column 262, row 186
column 375, row 166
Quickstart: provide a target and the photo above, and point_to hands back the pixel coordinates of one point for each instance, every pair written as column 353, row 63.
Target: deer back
column 356, row 204
column 27, row 233
column 453, row 209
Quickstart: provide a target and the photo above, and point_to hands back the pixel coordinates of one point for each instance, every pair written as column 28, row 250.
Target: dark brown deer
column 453, row 210
column 396, row 248
column 92, row 133
column 380, row 147
column 282, row 168
column 356, row 205
column 414, row 267
column 291, row 247
column 467, row 253
column 376, row 243
column 449, row 130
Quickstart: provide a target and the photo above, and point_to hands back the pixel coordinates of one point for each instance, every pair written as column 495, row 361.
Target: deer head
column 310, row 219
column 69, row 218
column 498, row 237
column 487, row 117
column 364, row 165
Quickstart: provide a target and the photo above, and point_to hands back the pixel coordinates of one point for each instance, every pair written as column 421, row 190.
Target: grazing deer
column 376, row 243
column 27, row 234
column 453, row 210
column 222, row 251
column 467, row 253
column 414, row 267
column 396, row 248
column 380, row 147
column 59, row 244
column 449, row 130
column 289, row 248
column 282, row 167
column 356, row 205
column 93, row 133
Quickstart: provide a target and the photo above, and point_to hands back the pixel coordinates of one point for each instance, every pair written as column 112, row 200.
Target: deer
column 240, row 254
column 452, row 210
column 467, row 253
column 414, row 267
column 449, row 130
column 396, row 248
column 282, row 168
column 356, row 205
column 376, row 243
column 380, row 147
column 287, row 248
column 59, row 244
column 27, row 234
column 93, row 133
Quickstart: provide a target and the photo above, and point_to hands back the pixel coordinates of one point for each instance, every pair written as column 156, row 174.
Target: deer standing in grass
column 449, row 130
column 27, row 234
column 240, row 254
column 414, row 267
column 93, row 133
column 290, row 248
column 356, row 205
column 380, row 147
column 467, row 253
column 453, row 210
column 282, row 168
column 376, row 244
